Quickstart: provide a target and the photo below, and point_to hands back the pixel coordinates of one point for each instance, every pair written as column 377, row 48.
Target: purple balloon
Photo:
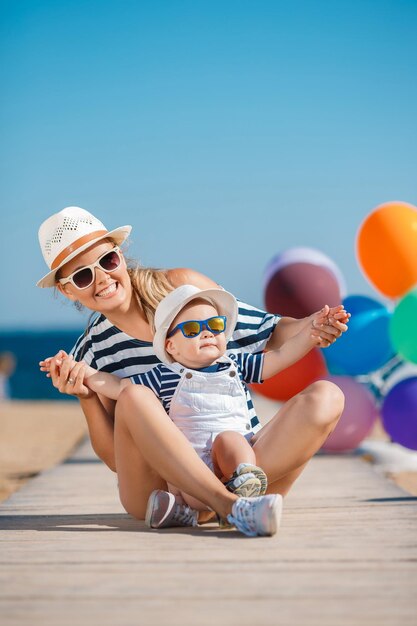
column 358, row 417
column 399, row 413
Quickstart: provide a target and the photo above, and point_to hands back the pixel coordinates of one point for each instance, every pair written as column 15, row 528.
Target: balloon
column 358, row 417
column 304, row 255
column 386, row 248
column 293, row 379
column 403, row 327
column 399, row 413
column 299, row 289
column 361, row 304
column 367, row 345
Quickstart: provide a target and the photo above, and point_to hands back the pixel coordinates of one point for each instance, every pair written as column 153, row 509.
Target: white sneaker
column 256, row 517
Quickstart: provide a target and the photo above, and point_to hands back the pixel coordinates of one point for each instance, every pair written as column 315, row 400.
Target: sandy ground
column 37, row 435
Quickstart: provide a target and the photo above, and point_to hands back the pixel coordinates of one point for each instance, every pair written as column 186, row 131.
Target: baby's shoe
column 242, row 481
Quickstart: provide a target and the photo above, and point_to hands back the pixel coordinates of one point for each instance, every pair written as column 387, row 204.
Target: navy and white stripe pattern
column 105, row 347
column 163, row 381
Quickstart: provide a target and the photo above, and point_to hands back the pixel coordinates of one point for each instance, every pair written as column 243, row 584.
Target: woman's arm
column 100, row 423
column 98, row 411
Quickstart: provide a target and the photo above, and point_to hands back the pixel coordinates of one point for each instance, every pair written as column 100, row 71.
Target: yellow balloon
column 387, row 248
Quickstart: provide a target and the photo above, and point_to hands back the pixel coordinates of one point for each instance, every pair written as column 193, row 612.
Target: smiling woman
column 136, row 438
column 101, row 284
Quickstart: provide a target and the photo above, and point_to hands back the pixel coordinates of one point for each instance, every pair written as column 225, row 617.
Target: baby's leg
column 230, row 449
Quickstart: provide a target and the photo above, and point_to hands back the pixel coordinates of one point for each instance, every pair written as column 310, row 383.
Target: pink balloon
column 358, row 417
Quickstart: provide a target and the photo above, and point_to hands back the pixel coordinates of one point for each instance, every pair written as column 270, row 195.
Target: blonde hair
column 150, row 286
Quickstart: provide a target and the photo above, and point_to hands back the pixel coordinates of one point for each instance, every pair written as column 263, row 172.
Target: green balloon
column 403, row 327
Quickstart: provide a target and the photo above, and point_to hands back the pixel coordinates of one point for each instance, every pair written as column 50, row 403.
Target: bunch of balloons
column 299, row 281
column 387, row 254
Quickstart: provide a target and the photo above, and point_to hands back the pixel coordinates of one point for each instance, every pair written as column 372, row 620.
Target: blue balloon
column 367, row 345
column 360, row 304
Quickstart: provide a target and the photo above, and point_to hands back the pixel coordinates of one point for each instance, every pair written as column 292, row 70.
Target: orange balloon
column 295, row 378
column 387, row 248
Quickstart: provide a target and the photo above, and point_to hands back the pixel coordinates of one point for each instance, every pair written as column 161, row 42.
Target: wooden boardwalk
column 346, row 555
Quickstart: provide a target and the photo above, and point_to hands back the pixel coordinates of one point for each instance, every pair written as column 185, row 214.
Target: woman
column 88, row 269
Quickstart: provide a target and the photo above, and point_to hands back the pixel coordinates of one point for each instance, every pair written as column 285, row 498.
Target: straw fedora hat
column 69, row 232
column 168, row 309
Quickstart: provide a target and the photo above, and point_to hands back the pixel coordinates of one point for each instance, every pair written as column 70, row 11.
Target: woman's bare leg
column 136, row 478
column 141, row 424
column 285, row 445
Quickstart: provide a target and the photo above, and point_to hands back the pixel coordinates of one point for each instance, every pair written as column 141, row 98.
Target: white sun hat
column 223, row 301
column 69, row 232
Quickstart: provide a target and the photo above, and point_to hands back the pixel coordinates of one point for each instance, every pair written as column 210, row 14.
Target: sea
column 28, row 347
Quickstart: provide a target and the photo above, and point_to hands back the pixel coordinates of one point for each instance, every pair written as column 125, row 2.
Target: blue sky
column 224, row 132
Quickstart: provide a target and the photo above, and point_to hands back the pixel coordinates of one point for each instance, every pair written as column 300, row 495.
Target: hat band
column 74, row 246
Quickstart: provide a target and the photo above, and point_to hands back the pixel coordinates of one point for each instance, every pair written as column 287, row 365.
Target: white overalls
column 207, row 403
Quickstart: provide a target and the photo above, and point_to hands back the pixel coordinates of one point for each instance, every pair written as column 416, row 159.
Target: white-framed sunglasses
column 84, row 276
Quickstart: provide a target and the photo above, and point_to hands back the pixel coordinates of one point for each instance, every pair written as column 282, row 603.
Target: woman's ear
column 66, row 292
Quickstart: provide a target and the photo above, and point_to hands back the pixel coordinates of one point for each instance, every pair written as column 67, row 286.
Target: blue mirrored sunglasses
column 192, row 328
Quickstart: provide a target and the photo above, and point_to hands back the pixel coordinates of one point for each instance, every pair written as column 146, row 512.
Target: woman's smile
column 109, row 290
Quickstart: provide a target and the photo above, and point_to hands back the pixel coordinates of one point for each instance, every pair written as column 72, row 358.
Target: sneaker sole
column 275, row 520
column 249, row 489
column 260, row 475
column 149, row 509
column 250, row 486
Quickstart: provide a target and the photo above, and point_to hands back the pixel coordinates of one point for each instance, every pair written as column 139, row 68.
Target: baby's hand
column 329, row 324
column 50, row 361
column 338, row 314
column 45, row 366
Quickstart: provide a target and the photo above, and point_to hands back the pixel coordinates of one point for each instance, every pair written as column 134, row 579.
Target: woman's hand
column 66, row 374
column 329, row 324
